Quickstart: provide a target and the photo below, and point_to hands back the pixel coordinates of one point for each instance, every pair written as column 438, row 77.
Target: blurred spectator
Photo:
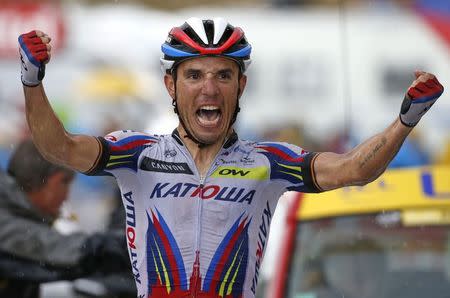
column 347, row 268
column 292, row 133
column 31, row 250
column 314, row 282
column 355, row 267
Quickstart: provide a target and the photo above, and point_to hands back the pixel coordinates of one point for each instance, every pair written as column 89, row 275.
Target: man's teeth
column 209, row 108
column 208, row 115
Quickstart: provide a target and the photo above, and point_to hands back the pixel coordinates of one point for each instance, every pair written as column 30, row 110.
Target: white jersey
column 194, row 236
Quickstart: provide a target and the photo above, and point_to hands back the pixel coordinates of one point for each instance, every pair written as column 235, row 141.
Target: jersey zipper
column 202, row 179
column 196, row 269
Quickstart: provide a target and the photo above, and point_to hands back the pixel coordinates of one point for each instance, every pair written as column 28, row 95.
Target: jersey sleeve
column 291, row 167
column 120, row 150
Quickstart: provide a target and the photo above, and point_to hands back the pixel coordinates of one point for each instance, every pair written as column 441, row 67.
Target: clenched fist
column 421, row 95
column 34, row 51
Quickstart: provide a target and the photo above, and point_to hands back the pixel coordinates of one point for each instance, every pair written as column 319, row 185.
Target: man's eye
column 194, row 76
column 224, row 76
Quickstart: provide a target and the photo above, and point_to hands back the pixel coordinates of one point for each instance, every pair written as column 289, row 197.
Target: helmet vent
column 243, row 41
column 192, row 34
column 174, row 42
column 226, row 34
column 209, row 29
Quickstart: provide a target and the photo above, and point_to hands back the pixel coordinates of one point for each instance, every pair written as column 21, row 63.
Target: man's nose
column 210, row 86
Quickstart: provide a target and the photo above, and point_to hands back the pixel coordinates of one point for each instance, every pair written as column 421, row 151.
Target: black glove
column 105, row 252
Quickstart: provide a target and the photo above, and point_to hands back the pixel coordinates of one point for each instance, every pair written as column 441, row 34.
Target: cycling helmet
column 197, row 37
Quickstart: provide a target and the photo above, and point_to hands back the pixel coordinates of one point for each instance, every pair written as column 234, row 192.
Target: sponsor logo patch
column 154, row 165
column 257, row 173
column 206, row 192
column 170, row 153
column 131, row 234
column 263, row 234
column 247, row 160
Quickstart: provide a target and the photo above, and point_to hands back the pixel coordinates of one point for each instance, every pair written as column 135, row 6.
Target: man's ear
column 242, row 84
column 170, row 85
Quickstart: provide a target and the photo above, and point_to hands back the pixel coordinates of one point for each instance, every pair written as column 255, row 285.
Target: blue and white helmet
column 197, row 37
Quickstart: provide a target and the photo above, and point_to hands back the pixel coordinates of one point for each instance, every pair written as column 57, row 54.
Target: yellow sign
column 403, row 189
column 418, row 217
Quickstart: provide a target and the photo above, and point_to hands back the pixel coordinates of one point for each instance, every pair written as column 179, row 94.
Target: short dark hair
column 30, row 169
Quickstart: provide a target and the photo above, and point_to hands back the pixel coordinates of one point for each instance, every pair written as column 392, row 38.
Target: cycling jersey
column 194, row 236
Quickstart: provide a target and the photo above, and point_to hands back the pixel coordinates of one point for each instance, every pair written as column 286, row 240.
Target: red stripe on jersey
column 280, row 153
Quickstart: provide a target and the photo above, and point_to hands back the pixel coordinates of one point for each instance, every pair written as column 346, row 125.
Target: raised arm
column 78, row 152
column 367, row 161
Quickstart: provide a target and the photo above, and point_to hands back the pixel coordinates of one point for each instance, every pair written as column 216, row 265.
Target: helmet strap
column 189, row 135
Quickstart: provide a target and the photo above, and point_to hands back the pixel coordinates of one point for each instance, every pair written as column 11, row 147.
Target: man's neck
column 203, row 155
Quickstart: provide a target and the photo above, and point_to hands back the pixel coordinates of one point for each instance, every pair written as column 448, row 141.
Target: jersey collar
column 228, row 143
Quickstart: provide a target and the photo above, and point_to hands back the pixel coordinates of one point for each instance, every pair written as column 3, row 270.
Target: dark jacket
column 32, row 251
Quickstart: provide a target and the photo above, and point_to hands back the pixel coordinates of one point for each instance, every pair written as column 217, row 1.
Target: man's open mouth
column 208, row 115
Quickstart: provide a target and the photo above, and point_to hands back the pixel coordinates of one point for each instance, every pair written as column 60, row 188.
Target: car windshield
column 366, row 256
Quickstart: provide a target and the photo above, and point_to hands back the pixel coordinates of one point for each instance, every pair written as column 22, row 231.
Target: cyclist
column 199, row 202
